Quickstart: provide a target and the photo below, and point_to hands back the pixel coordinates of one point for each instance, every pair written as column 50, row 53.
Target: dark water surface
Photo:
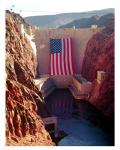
column 81, row 121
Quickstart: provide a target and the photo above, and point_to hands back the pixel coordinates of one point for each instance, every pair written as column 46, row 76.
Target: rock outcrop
column 99, row 55
column 24, row 104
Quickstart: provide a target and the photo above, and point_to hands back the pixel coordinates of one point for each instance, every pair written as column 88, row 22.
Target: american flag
column 61, row 57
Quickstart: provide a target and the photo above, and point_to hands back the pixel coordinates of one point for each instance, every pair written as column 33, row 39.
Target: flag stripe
column 55, row 70
column 52, row 62
column 70, row 56
column 66, row 57
column 73, row 66
column 63, row 64
column 56, row 64
column 59, row 70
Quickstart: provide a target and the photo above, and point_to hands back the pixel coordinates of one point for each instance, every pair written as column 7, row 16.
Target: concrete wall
column 62, row 81
column 80, row 38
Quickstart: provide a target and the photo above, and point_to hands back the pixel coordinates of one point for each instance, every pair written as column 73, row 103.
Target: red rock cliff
column 23, row 101
column 99, row 55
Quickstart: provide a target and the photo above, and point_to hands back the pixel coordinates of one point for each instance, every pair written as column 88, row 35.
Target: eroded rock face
column 99, row 55
column 23, row 100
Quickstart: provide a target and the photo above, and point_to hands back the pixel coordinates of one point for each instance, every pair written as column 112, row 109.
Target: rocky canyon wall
column 24, row 104
column 99, row 55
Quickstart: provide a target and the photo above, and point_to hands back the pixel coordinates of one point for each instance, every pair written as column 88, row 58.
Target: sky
column 47, row 7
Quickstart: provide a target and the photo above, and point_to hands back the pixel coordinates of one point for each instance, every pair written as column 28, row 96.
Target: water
column 82, row 122
column 60, row 103
column 82, row 133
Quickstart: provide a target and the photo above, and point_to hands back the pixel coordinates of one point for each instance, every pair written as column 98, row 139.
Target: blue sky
column 45, row 7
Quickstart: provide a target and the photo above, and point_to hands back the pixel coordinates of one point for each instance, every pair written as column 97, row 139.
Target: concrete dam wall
column 80, row 38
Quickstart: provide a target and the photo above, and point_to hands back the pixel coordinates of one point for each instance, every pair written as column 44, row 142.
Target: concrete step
column 77, row 93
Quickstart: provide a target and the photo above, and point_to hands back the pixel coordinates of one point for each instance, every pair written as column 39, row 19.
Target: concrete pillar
column 100, row 75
